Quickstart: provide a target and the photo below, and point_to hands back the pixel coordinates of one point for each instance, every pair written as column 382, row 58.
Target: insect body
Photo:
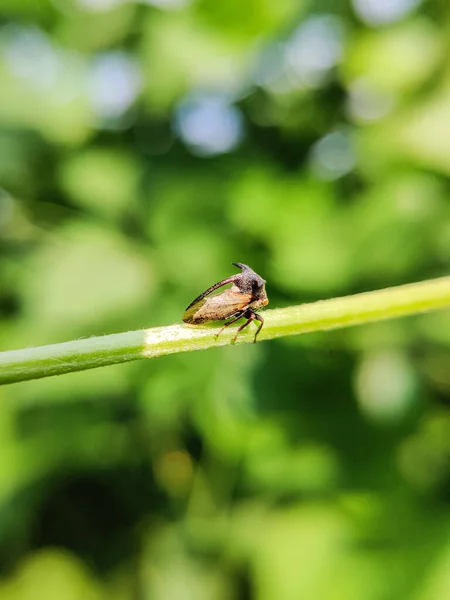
column 247, row 294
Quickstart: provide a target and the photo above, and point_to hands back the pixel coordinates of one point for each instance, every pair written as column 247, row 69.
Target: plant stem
column 78, row 355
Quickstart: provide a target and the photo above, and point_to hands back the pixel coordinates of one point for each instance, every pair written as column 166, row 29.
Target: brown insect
column 247, row 294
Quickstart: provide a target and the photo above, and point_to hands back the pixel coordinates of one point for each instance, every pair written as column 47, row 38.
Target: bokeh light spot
column 315, row 48
column 333, row 156
column 366, row 103
column 385, row 386
column 114, row 81
column 379, row 12
column 209, row 124
column 29, row 55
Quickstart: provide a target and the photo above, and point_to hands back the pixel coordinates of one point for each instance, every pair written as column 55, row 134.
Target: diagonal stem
column 78, row 355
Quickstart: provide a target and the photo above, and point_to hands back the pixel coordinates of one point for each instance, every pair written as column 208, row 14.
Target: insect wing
column 216, row 308
column 214, row 287
column 189, row 313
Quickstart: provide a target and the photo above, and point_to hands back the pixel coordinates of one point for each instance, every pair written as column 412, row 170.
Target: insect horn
column 242, row 266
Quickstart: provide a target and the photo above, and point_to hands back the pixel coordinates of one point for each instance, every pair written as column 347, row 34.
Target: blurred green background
column 143, row 147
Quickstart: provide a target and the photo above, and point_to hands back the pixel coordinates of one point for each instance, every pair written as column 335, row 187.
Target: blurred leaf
column 260, row 17
column 299, row 219
column 84, row 270
column 101, row 180
column 397, row 59
column 423, row 133
column 182, row 54
column 100, row 29
column 53, row 573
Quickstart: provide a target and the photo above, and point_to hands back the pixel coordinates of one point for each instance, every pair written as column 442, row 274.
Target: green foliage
column 309, row 467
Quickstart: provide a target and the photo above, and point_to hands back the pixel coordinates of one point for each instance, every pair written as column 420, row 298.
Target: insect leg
column 239, row 315
column 250, row 316
column 261, row 320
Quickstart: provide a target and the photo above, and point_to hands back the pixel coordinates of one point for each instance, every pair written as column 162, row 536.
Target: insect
column 247, row 294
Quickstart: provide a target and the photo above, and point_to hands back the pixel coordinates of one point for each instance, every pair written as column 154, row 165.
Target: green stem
column 78, row 355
